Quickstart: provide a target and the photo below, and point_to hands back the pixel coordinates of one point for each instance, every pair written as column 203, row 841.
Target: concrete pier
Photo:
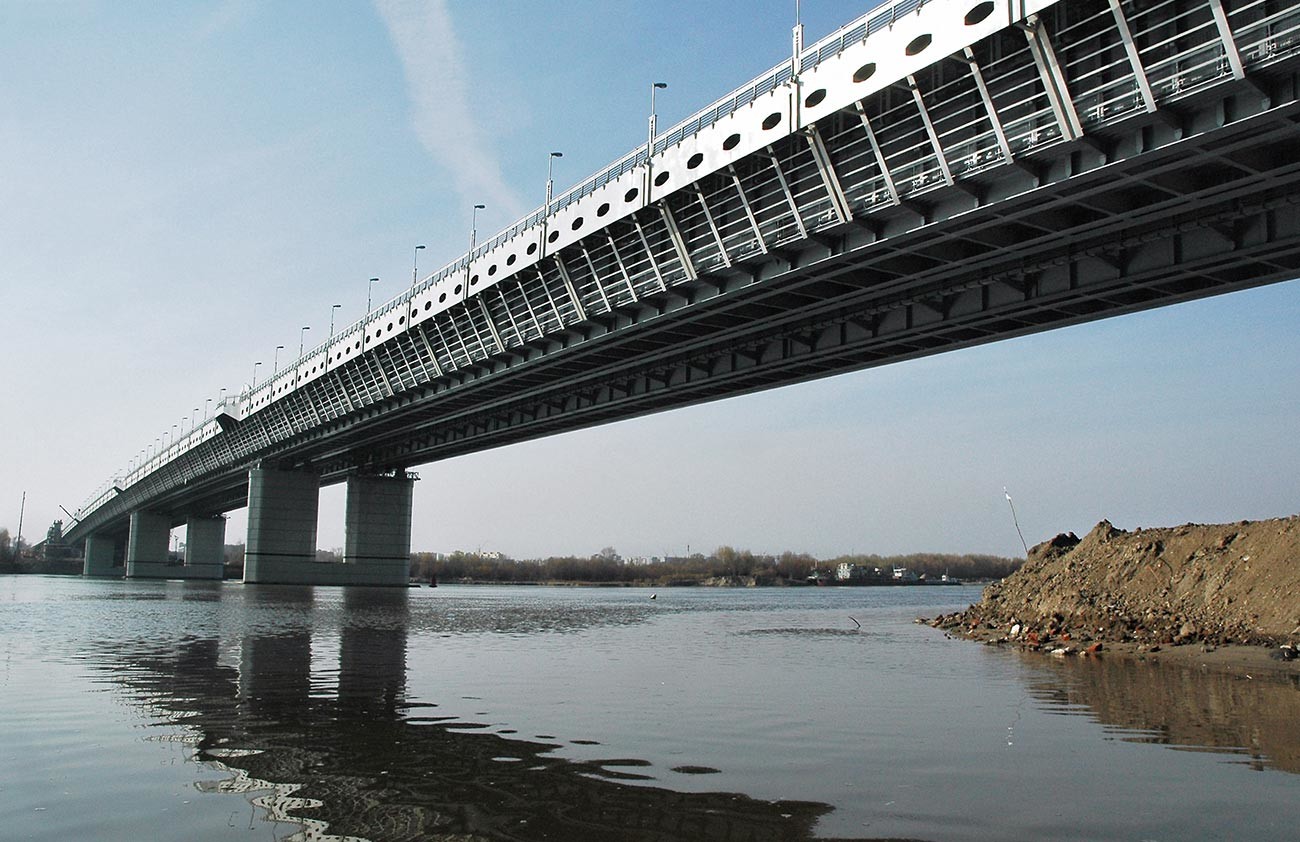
column 205, row 547
column 100, row 550
column 377, row 529
column 282, row 512
column 147, row 545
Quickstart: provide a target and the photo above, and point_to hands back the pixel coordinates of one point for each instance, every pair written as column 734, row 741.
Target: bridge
column 933, row 175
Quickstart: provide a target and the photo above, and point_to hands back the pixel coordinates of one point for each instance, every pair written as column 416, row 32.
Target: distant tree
column 609, row 554
column 6, row 551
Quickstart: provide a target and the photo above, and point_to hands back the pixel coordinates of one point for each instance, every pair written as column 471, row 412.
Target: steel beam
column 749, row 211
column 881, row 163
column 683, row 254
column 1053, row 79
column 929, row 130
column 568, row 286
column 1134, row 58
column 1229, row 43
column 785, row 188
column 713, row 226
column 830, row 180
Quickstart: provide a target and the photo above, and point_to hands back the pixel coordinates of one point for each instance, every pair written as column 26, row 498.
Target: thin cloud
column 438, row 84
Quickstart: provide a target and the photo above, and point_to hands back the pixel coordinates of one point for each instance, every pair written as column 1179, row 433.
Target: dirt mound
column 1213, row 584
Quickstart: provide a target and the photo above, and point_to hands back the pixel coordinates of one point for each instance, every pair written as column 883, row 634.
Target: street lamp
column 194, row 418
column 255, row 365
column 297, row 366
column 329, row 343
column 550, row 162
column 207, row 402
column 365, row 323
column 650, row 137
column 275, row 362
column 415, row 264
column 473, row 228
column 222, row 398
column 657, row 86
column 334, row 307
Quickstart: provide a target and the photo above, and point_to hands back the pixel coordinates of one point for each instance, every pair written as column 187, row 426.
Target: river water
column 195, row 711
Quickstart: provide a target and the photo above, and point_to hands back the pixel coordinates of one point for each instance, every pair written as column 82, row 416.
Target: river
column 196, row 711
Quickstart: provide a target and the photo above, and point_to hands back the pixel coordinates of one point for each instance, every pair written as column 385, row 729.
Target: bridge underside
column 1193, row 198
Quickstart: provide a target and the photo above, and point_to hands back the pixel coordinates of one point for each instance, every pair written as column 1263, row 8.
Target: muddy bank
column 1186, row 592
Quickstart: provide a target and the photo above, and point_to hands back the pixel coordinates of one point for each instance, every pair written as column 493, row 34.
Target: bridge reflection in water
column 361, row 759
column 307, row 705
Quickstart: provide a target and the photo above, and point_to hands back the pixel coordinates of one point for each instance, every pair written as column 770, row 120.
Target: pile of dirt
column 1208, row 584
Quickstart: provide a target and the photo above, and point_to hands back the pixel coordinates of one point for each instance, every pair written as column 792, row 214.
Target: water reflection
column 369, row 762
column 1180, row 707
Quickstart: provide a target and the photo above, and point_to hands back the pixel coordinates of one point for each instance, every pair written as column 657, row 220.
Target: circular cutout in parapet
column 661, row 179
column 442, row 297
column 631, row 194
column 532, row 248
column 457, row 289
column 390, row 326
column 771, row 121
column 603, row 209
column 918, row 45
column 473, row 281
column 492, row 270
column 865, row 72
column 357, row 346
column 553, row 236
column 401, row 320
column 428, row 304
column 694, row 161
column 979, row 13
column 510, row 261
column 731, row 142
column 577, row 223
column 815, row 98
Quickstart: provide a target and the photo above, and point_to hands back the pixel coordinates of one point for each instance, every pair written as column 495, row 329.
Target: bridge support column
column 282, row 512
column 146, row 546
column 100, row 550
column 377, row 530
column 205, row 547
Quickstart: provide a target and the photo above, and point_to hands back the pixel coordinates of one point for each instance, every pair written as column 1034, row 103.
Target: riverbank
column 1220, row 596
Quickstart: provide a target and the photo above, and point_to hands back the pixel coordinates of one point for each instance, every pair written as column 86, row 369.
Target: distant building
column 902, row 574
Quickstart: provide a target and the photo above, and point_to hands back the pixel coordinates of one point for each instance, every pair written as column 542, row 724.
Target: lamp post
column 365, row 332
column 550, row 164
column 473, row 240
column 255, row 365
column 275, row 362
column 415, row 266
column 650, row 137
column 473, row 229
column 297, row 366
column 550, row 184
column 194, row 419
column 207, row 402
column 329, row 343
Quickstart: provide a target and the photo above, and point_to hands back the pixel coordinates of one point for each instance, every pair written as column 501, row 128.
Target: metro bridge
column 934, row 175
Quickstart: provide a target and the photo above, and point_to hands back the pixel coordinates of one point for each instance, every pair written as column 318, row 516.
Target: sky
column 185, row 185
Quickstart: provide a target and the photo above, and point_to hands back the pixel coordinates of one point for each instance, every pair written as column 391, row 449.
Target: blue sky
column 188, row 184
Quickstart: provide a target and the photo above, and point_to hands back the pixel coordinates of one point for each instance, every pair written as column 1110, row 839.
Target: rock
column 1015, row 630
